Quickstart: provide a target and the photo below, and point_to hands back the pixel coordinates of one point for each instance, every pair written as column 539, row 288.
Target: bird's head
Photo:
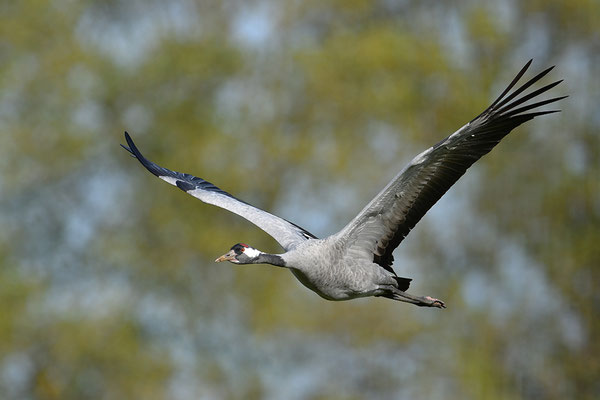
column 241, row 253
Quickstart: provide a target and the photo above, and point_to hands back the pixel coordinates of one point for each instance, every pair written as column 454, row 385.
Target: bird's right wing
column 287, row 234
column 380, row 227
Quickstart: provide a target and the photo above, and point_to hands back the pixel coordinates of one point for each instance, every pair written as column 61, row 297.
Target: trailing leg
column 421, row 301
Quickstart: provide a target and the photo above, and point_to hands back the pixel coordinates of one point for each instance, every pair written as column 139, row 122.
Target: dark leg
column 420, row 301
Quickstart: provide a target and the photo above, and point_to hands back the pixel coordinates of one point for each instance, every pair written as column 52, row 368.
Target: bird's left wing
column 287, row 234
column 380, row 227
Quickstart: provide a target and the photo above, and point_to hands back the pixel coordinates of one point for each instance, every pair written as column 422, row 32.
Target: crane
column 357, row 261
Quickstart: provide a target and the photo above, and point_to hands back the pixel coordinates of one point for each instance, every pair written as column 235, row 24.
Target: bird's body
column 321, row 266
column 357, row 261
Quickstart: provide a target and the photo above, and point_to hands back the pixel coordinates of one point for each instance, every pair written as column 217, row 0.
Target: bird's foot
column 431, row 302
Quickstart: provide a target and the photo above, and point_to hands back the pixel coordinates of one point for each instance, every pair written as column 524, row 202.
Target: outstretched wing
column 380, row 227
column 287, row 234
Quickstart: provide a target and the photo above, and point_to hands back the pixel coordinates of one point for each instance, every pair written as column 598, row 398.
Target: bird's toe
column 435, row 302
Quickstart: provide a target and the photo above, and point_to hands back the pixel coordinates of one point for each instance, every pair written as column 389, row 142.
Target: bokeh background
column 307, row 109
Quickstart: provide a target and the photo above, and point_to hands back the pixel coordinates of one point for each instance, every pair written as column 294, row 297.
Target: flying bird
column 357, row 261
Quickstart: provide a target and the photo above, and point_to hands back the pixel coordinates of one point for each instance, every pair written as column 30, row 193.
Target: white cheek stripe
column 250, row 252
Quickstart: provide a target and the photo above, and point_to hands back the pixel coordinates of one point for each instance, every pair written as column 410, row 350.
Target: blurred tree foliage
column 306, row 109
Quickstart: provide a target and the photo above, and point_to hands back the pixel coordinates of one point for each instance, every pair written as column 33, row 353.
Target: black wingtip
column 518, row 111
column 131, row 153
column 525, row 67
column 499, row 100
column 129, row 140
column 525, row 86
column 150, row 166
column 548, row 112
column 132, row 147
column 128, row 150
column 506, row 107
column 127, row 137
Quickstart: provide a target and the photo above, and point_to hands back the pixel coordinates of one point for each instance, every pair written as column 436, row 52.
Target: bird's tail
column 403, row 283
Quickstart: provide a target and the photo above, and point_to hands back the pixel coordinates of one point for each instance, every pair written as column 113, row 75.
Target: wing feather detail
column 382, row 225
column 286, row 233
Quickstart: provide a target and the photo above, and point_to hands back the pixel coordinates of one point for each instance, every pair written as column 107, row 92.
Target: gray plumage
column 357, row 261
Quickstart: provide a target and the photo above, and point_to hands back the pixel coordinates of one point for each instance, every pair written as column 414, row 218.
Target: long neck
column 267, row 258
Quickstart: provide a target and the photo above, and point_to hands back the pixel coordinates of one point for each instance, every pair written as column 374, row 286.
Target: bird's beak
column 227, row 257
